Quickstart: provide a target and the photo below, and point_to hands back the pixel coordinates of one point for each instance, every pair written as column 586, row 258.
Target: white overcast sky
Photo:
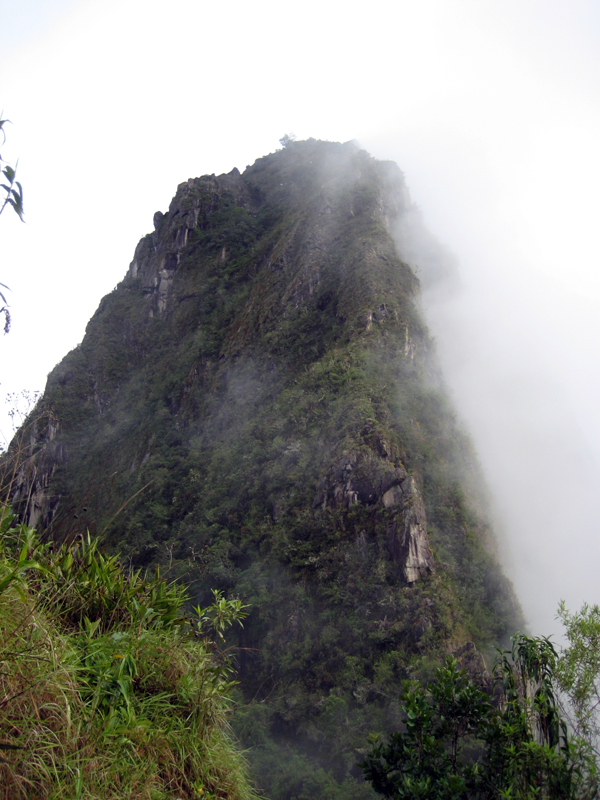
column 490, row 107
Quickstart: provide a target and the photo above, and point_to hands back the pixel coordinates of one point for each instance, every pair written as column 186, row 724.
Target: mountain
column 257, row 408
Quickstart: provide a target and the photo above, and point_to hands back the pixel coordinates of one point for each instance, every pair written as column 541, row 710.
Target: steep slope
column 258, row 406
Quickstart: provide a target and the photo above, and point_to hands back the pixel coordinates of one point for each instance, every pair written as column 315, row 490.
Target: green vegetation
column 13, row 189
column 460, row 743
column 578, row 672
column 14, row 199
column 110, row 689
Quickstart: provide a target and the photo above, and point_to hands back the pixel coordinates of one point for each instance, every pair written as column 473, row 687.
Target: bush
column 110, row 689
column 459, row 744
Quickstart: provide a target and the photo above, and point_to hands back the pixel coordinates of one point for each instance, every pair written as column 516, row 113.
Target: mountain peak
column 258, row 406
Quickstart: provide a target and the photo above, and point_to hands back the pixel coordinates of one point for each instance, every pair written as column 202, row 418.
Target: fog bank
column 520, row 355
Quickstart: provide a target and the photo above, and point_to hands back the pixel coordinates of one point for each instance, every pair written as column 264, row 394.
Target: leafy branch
column 13, row 189
column 14, row 199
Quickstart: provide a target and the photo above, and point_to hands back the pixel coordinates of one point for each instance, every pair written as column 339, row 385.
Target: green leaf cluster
column 13, row 189
column 14, row 199
column 111, row 687
column 578, row 670
column 459, row 743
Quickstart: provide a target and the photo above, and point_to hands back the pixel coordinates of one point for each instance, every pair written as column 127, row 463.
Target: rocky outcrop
column 31, row 464
column 371, row 481
column 158, row 255
column 472, row 661
column 407, row 538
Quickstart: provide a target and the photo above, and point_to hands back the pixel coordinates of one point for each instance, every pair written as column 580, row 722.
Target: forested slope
column 257, row 406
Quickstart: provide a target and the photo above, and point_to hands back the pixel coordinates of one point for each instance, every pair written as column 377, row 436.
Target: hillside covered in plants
column 257, row 407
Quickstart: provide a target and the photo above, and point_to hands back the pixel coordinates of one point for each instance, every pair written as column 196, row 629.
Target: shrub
column 109, row 687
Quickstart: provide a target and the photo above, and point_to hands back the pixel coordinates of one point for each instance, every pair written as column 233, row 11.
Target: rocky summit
column 257, row 408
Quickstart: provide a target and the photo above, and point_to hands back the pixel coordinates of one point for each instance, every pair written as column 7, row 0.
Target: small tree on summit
column 287, row 138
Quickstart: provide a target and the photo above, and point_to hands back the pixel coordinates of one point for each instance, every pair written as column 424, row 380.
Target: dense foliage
column 578, row 671
column 109, row 689
column 459, row 743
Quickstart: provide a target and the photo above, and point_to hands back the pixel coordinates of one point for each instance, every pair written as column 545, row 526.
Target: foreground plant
column 109, row 688
column 457, row 743
column 578, row 671
column 13, row 197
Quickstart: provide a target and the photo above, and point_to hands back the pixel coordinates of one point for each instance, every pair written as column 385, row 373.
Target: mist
column 492, row 110
column 517, row 375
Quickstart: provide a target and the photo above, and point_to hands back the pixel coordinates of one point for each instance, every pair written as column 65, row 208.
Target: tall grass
column 108, row 689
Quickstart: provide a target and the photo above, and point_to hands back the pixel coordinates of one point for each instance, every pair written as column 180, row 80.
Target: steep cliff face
column 257, row 405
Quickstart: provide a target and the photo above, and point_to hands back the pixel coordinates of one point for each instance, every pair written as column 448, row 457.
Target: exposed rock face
column 158, row 255
column 31, row 464
column 407, row 533
column 257, row 406
column 472, row 661
column 355, row 480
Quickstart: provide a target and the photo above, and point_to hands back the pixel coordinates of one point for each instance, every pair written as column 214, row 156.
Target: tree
column 459, row 744
column 287, row 138
column 14, row 199
column 425, row 759
column 578, row 672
